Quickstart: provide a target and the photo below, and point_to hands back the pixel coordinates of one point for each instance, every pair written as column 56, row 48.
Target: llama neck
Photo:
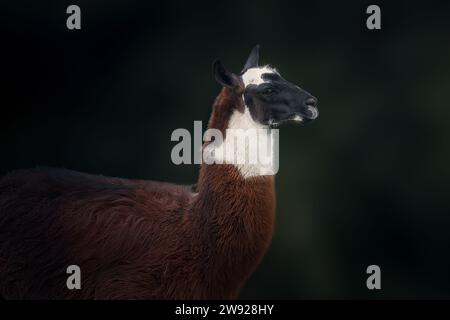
column 235, row 212
column 234, row 218
column 250, row 146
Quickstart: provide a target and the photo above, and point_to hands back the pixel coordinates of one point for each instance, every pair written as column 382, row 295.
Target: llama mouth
column 297, row 118
column 310, row 116
column 276, row 124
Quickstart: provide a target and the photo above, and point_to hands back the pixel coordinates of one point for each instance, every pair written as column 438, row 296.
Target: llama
column 136, row 239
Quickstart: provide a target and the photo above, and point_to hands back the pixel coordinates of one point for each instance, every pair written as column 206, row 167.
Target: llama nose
column 311, row 102
column 311, row 108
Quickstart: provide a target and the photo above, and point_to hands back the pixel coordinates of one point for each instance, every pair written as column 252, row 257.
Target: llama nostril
column 311, row 102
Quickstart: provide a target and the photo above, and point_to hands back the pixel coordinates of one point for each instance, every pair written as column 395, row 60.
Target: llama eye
column 268, row 91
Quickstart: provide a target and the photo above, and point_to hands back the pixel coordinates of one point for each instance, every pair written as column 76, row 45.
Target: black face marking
column 277, row 100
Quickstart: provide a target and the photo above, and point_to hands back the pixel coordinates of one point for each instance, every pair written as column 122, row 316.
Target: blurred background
column 366, row 183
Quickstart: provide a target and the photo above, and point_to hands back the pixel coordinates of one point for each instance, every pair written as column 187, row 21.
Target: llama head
column 268, row 98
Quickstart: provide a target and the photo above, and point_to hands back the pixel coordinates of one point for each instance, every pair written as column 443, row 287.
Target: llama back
column 53, row 218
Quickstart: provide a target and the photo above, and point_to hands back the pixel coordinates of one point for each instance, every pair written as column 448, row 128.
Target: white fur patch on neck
column 239, row 120
column 254, row 75
column 250, row 146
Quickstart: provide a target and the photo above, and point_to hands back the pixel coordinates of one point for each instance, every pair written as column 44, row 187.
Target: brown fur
column 134, row 239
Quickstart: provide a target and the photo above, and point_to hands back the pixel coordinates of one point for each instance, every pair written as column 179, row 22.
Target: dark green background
column 367, row 183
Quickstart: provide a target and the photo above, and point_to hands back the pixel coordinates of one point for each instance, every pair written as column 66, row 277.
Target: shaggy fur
column 134, row 239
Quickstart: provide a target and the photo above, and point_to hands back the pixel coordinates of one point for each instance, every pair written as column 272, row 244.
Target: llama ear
column 225, row 77
column 253, row 59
